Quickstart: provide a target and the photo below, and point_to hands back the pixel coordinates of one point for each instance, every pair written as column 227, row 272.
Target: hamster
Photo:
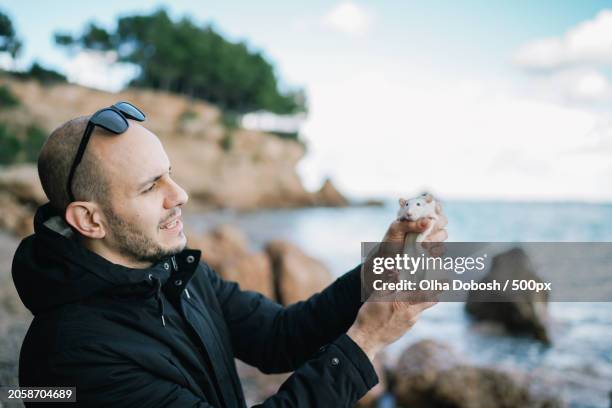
column 413, row 209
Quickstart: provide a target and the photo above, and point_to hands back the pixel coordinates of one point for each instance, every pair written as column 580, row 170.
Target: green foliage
column 43, row 75
column 20, row 147
column 180, row 56
column 7, row 99
column 286, row 135
column 34, row 139
column 230, row 120
column 8, row 38
column 228, row 141
column 9, row 145
column 187, row 115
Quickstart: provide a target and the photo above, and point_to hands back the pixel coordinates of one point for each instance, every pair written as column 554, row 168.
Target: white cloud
column 378, row 132
column 98, row 70
column 590, row 42
column 569, row 68
column 574, row 85
column 348, row 18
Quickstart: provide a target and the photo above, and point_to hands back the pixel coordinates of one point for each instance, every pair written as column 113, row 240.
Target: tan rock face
column 297, row 276
column 330, row 196
column 14, row 216
column 224, row 244
column 225, row 249
column 22, row 182
column 252, row 272
column 219, row 168
column 20, row 194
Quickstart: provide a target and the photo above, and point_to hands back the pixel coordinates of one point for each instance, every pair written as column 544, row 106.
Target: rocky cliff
column 221, row 167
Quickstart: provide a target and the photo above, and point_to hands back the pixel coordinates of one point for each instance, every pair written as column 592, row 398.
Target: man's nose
column 176, row 195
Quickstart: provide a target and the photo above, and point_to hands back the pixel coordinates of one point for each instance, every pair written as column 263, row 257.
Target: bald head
column 55, row 159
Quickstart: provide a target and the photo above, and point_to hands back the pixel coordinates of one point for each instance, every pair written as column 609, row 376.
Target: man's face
column 143, row 215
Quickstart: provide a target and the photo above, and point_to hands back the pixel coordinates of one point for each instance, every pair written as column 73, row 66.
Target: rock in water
column 519, row 312
column 430, row 374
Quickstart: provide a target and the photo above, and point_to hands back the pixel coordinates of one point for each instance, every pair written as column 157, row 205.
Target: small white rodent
column 413, row 209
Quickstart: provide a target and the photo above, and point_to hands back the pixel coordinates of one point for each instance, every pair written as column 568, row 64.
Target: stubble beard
column 134, row 244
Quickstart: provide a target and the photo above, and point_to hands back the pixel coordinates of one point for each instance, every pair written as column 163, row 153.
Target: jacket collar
column 50, row 227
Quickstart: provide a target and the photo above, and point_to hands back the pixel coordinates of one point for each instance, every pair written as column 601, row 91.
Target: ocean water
column 578, row 365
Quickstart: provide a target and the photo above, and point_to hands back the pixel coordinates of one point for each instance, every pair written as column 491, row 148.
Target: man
column 131, row 318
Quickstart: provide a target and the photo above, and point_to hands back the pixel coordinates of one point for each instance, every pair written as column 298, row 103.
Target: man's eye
column 149, row 189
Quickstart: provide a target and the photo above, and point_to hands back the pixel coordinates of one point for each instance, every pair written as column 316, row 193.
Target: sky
column 505, row 100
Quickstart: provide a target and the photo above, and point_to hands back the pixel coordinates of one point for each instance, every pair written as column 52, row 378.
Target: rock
column 520, row 312
column 224, row 243
column 252, row 272
column 431, row 374
column 328, row 195
column 296, row 275
column 21, row 181
column 225, row 249
column 14, row 216
column 253, row 170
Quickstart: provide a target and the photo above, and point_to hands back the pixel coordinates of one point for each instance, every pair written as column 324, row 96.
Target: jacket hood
column 51, row 268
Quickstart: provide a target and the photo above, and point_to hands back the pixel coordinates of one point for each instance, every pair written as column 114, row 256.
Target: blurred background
column 296, row 126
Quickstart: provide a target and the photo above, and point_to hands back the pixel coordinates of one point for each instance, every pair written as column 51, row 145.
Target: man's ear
column 86, row 218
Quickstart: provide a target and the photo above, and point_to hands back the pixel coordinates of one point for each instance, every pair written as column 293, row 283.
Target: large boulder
column 328, row 195
column 430, row 374
column 522, row 312
column 20, row 194
column 226, row 250
column 14, row 216
column 252, row 272
column 22, row 182
column 222, row 244
column 296, row 275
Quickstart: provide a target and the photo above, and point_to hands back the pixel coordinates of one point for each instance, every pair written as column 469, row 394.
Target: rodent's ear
column 428, row 198
column 402, row 202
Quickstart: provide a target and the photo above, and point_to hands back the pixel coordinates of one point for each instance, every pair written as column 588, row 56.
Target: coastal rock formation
column 252, row 272
column 225, row 249
column 20, row 194
column 520, row 312
column 328, row 195
column 296, row 275
column 283, row 272
column 220, row 167
column 21, row 182
column 430, row 374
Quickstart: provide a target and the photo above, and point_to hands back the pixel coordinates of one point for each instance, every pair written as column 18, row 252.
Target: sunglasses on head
column 114, row 119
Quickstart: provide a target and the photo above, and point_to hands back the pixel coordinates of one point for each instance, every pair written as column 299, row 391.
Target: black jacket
column 167, row 335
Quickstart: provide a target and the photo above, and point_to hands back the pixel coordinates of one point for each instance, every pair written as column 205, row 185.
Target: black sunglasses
column 114, row 119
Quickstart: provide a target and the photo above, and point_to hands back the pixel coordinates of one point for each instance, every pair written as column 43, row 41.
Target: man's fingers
column 441, row 222
column 437, row 236
column 406, row 227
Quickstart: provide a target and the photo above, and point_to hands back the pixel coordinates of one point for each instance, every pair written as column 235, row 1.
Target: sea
column 577, row 367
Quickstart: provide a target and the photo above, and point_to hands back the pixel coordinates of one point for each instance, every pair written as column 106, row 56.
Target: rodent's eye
column 418, row 204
